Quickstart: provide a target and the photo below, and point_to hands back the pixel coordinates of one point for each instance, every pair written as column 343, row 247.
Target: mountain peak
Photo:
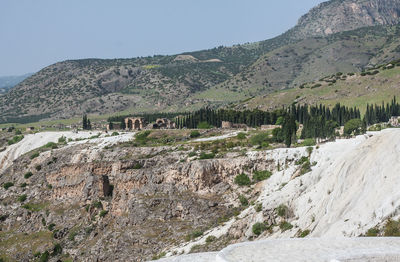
column 345, row 15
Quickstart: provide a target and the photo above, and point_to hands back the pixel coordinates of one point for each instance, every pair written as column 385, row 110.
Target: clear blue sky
column 37, row 33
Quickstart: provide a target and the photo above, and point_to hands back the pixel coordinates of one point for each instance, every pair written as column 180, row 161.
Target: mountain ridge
column 165, row 83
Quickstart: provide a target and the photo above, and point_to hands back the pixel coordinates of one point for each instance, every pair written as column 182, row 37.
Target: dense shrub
column 261, row 175
column 193, row 235
column 282, row 210
column 261, row 140
column 62, row 140
column 7, row 185
column 353, row 126
column 115, row 133
column 103, row 213
column 204, row 125
column 192, row 154
column 210, row 239
column 241, row 136
column 57, row 250
column 51, row 145
column 285, row 226
column 372, row 232
column 34, row 155
column 392, row 228
column 15, row 139
column 243, row 200
column 304, row 233
column 38, row 167
column 242, row 180
column 194, row 134
column 44, row 257
column 204, row 155
column 22, row 198
column 28, row 175
column 142, row 137
column 258, row 228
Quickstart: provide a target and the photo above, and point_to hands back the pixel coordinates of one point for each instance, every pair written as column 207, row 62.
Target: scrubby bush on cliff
column 304, row 233
column 242, row 180
column 392, row 228
column 28, row 175
column 285, row 226
column 22, row 198
column 258, row 228
column 282, row 210
column 15, row 139
column 210, row 239
column 34, row 155
column 243, row 200
column 193, row 235
column 261, row 175
column 204, row 155
column 8, row 185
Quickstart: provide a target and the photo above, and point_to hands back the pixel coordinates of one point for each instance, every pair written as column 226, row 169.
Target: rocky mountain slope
column 373, row 86
column 8, row 82
column 99, row 199
column 344, row 15
column 188, row 81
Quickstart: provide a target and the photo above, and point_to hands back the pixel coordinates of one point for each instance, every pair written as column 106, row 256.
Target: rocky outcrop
column 344, row 15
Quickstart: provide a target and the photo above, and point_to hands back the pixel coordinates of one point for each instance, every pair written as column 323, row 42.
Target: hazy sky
column 37, row 33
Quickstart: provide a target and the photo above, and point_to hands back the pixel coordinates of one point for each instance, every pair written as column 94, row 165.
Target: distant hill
column 332, row 37
column 8, row 82
column 372, row 86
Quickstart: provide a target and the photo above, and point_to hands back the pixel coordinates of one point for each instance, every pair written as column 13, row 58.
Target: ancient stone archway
column 129, row 125
column 135, row 123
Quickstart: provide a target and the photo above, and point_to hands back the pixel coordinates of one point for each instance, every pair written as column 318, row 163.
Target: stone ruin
column 164, row 123
column 230, row 125
column 135, row 123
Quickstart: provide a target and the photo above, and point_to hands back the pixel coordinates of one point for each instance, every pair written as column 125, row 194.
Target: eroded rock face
column 128, row 204
column 344, row 15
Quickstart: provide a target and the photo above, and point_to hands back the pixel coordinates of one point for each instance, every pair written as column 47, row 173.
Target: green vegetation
column 261, row 175
column 195, row 234
column 204, row 125
column 34, row 207
column 284, row 226
column 261, row 140
column 373, row 232
column 241, row 136
column 158, row 256
column 242, row 180
column 103, row 213
column 7, row 185
column 210, row 239
column 15, row 139
column 34, row 155
column 28, row 174
column 22, row 198
column 243, row 200
column 282, row 210
column 353, row 126
column 137, row 166
column 304, row 233
column 114, row 133
column 194, row 134
column 258, row 228
column 204, row 155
